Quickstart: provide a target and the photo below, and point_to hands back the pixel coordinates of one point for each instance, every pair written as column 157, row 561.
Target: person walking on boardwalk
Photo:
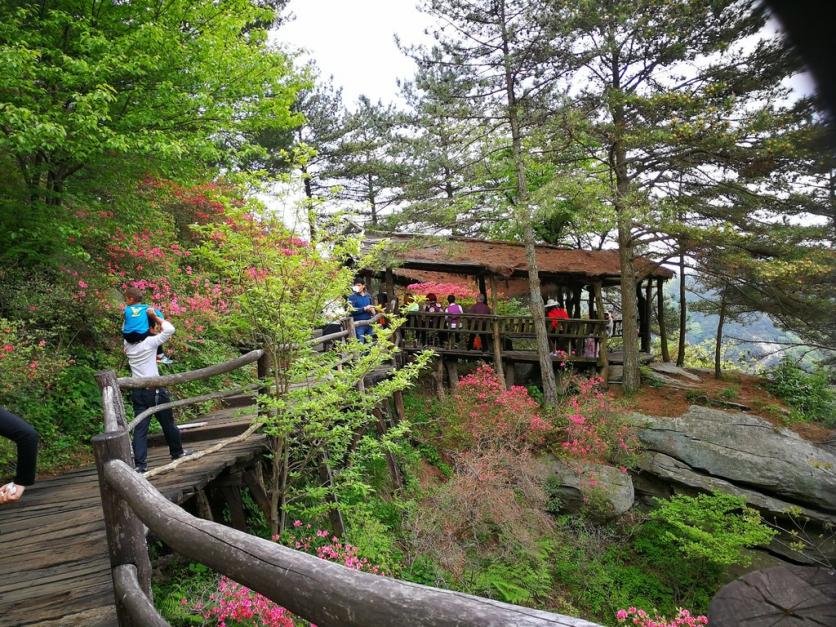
column 24, row 435
column 142, row 358
column 361, row 308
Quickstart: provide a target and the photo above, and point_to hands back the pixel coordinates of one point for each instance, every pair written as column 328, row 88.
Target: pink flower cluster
column 638, row 616
column 442, row 290
column 492, row 413
column 325, row 546
column 236, row 603
column 592, row 431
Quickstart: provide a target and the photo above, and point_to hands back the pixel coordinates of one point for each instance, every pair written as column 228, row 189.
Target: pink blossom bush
column 232, row 603
column 637, row 616
column 593, row 429
column 442, row 290
column 490, row 415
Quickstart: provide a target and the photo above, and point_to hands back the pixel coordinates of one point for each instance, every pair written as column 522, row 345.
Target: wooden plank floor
column 54, row 568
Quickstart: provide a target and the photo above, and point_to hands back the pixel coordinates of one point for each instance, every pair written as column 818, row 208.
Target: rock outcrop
column 607, row 489
column 771, row 467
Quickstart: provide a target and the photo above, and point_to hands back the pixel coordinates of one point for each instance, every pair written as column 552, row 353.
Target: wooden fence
column 322, row 592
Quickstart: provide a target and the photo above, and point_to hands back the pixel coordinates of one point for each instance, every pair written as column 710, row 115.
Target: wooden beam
column 125, row 533
column 314, row 589
column 130, row 595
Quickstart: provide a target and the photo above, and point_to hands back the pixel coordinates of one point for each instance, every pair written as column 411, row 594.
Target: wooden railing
column 317, row 590
column 457, row 332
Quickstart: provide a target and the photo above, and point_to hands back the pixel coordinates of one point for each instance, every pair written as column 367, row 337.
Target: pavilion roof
column 469, row 257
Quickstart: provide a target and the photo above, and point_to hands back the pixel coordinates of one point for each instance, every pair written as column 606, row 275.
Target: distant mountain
column 757, row 329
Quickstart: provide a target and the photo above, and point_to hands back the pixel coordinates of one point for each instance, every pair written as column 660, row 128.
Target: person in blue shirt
column 140, row 319
column 361, row 308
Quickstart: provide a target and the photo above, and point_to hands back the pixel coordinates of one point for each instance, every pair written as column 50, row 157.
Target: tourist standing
column 361, row 308
column 142, row 358
column 25, row 437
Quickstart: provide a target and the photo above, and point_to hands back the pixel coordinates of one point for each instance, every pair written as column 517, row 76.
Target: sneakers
column 141, row 469
column 165, row 359
column 186, row 451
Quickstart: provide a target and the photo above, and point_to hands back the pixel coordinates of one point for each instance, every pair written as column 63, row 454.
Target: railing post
column 262, row 371
column 125, row 532
column 114, row 409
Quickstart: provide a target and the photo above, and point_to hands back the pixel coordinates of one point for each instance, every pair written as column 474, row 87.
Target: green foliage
column 711, row 529
column 181, row 582
column 808, row 394
column 522, row 581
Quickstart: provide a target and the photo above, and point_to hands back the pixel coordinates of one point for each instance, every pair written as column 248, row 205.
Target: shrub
column 807, row 393
column 495, row 499
column 592, row 430
column 712, row 529
column 639, row 617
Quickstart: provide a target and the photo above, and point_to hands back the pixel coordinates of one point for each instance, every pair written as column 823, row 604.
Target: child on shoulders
column 140, row 320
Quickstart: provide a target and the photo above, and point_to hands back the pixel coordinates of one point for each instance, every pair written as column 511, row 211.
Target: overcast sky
column 354, row 40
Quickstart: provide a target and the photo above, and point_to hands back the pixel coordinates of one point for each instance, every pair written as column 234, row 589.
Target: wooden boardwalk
column 54, row 567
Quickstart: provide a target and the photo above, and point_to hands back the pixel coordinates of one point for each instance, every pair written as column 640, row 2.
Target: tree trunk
column 663, row 331
column 523, row 212
column 618, row 165
column 683, row 313
column 309, row 204
column 718, row 345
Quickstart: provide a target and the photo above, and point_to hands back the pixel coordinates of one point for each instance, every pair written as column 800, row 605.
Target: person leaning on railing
column 24, row 435
column 481, row 308
column 142, row 358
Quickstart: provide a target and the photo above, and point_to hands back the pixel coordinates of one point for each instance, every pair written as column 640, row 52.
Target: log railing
column 317, row 590
column 515, row 333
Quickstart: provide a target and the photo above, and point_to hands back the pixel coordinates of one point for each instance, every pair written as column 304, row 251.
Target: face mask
column 356, row 288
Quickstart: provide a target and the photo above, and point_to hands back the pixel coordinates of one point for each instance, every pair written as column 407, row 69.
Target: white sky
column 354, row 40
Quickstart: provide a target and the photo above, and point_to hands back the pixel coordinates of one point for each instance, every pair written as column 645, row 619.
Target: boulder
column 609, row 490
column 670, row 469
column 716, row 449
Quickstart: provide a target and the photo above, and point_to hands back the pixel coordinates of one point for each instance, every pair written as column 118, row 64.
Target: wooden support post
column 237, row 517
column 481, row 280
column 497, row 350
column 400, row 410
column 590, row 303
column 334, row 514
column 452, row 373
column 204, row 511
column 438, row 377
column 576, row 301
column 112, row 405
column 663, row 330
column 603, row 355
column 510, row 374
column 390, row 285
column 254, row 480
column 125, row 532
column 493, row 294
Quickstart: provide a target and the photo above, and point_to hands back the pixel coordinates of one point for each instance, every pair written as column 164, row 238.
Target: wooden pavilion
column 570, row 276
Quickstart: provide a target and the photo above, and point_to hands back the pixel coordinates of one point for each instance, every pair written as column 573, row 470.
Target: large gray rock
column 607, row 489
column 670, row 469
column 743, row 450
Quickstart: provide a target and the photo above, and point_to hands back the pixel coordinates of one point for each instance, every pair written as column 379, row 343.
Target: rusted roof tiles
column 507, row 259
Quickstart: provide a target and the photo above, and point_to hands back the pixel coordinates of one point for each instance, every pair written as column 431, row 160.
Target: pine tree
column 497, row 50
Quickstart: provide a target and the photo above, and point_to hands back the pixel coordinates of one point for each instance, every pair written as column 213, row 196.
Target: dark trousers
column 21, row 433
column 142, row 400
